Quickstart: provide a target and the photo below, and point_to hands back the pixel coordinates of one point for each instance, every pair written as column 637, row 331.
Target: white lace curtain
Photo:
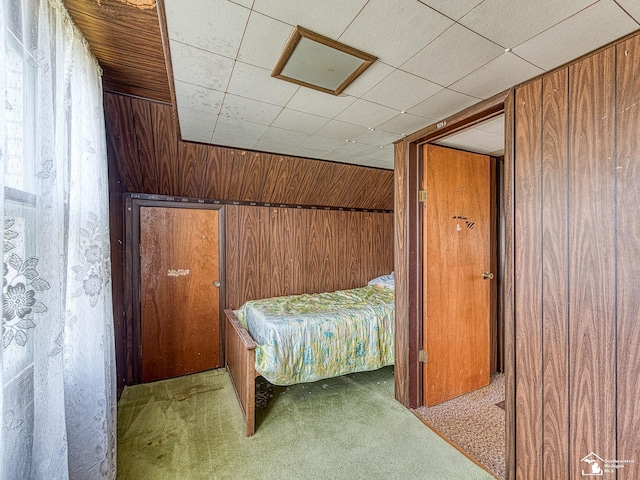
column 58, row 392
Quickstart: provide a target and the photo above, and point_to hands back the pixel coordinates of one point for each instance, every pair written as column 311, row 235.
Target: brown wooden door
column 179, row 269
column 457, row 300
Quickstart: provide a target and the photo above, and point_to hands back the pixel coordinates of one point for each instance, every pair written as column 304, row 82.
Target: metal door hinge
column 422, row 356
column 422, row 195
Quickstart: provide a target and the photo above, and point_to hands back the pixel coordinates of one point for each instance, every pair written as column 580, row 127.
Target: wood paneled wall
column 152, row 160
column 285, row 251
column 577, row 244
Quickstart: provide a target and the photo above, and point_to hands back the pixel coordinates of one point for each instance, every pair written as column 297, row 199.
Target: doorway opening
column 463, row 381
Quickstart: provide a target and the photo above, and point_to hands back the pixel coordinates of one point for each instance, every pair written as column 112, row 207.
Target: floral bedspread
column 305, row 338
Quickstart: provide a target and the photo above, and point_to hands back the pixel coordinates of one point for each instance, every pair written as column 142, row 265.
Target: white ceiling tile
column 235, row 127
column 319, row 103
column 367, row 114
column 570, row 39
column 632, row 7
column 341, row 130
column 244, row 3
column 455, row 9
column 258, row 84
column 196, row 126
column 387, row 154
column 325, row 144
column 369, row 78
column 328, row 17
column 352, row 148
column 346, row 157
column 444, row 103
column 306, row 152
column 494, row 125
column 496, row 76
column 451, row 56
column 511, row 22
column 404, row 124
column 299, row 121
column 236, row 141
column 377, row 138
column 198, row 98
column 212, row 25
column 247, row 109
column 199, row 67
column 280, row 135
column 272, row 147
column 394, row 30
column 263, row 41
column 414, row 89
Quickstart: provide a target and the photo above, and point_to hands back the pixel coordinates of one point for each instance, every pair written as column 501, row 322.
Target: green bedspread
column 305, row 338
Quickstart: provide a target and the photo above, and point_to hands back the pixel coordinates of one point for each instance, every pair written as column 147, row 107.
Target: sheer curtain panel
column 58, row 399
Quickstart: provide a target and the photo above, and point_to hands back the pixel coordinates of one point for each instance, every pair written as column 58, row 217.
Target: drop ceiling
column 435, row 58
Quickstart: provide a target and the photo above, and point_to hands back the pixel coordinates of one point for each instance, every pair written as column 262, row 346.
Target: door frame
column 132, row 284
column 408, row 256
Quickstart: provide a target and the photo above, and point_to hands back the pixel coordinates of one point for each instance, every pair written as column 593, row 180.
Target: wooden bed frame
column 240, row 354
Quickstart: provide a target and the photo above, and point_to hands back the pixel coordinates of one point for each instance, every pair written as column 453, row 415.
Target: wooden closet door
column 457, row 267
column 179, row 269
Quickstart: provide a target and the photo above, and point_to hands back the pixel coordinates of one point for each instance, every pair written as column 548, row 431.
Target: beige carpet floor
column 474, row 423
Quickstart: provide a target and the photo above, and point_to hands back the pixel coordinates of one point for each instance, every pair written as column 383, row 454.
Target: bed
column 306, row 338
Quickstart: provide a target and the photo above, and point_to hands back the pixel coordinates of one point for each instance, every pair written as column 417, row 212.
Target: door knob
column 487, row 276
column 216, row 284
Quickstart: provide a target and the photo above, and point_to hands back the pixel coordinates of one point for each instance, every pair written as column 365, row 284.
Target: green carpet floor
column 350, row 427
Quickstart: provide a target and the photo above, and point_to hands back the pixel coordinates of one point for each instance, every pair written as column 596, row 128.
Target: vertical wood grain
column 143, row 124
column 509, row 281
column 301, row 249
column 249, row 254
column 152, row 160
column 122, row 131
column 166, row 149
column 191, row 157
column 232, row 256
column 217, row 176
column 528, row 284
column 315, row 251
column 256, row 167
column 354, row 262
column 592, row 249
column 269, row 271
column 401, row 265
column 555, row 217
column 628, row 253
column 286, row 251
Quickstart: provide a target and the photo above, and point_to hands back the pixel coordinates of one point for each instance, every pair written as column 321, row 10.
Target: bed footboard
column 240, row 353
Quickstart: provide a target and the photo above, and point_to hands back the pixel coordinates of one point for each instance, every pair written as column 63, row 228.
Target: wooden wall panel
column 402, row 258
column 528, row 287
column 555, row 218
column 232, row 258
column 354, row 257
column 592, row 246
column 166, row 150
column 120, row 128
column 217, row 176
column 152, row 160
column 249, row 254
column 628, row 253
column 143, row 125
column 576, row 225
column 191, row 156
column 285, row 251
column 300, row 249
